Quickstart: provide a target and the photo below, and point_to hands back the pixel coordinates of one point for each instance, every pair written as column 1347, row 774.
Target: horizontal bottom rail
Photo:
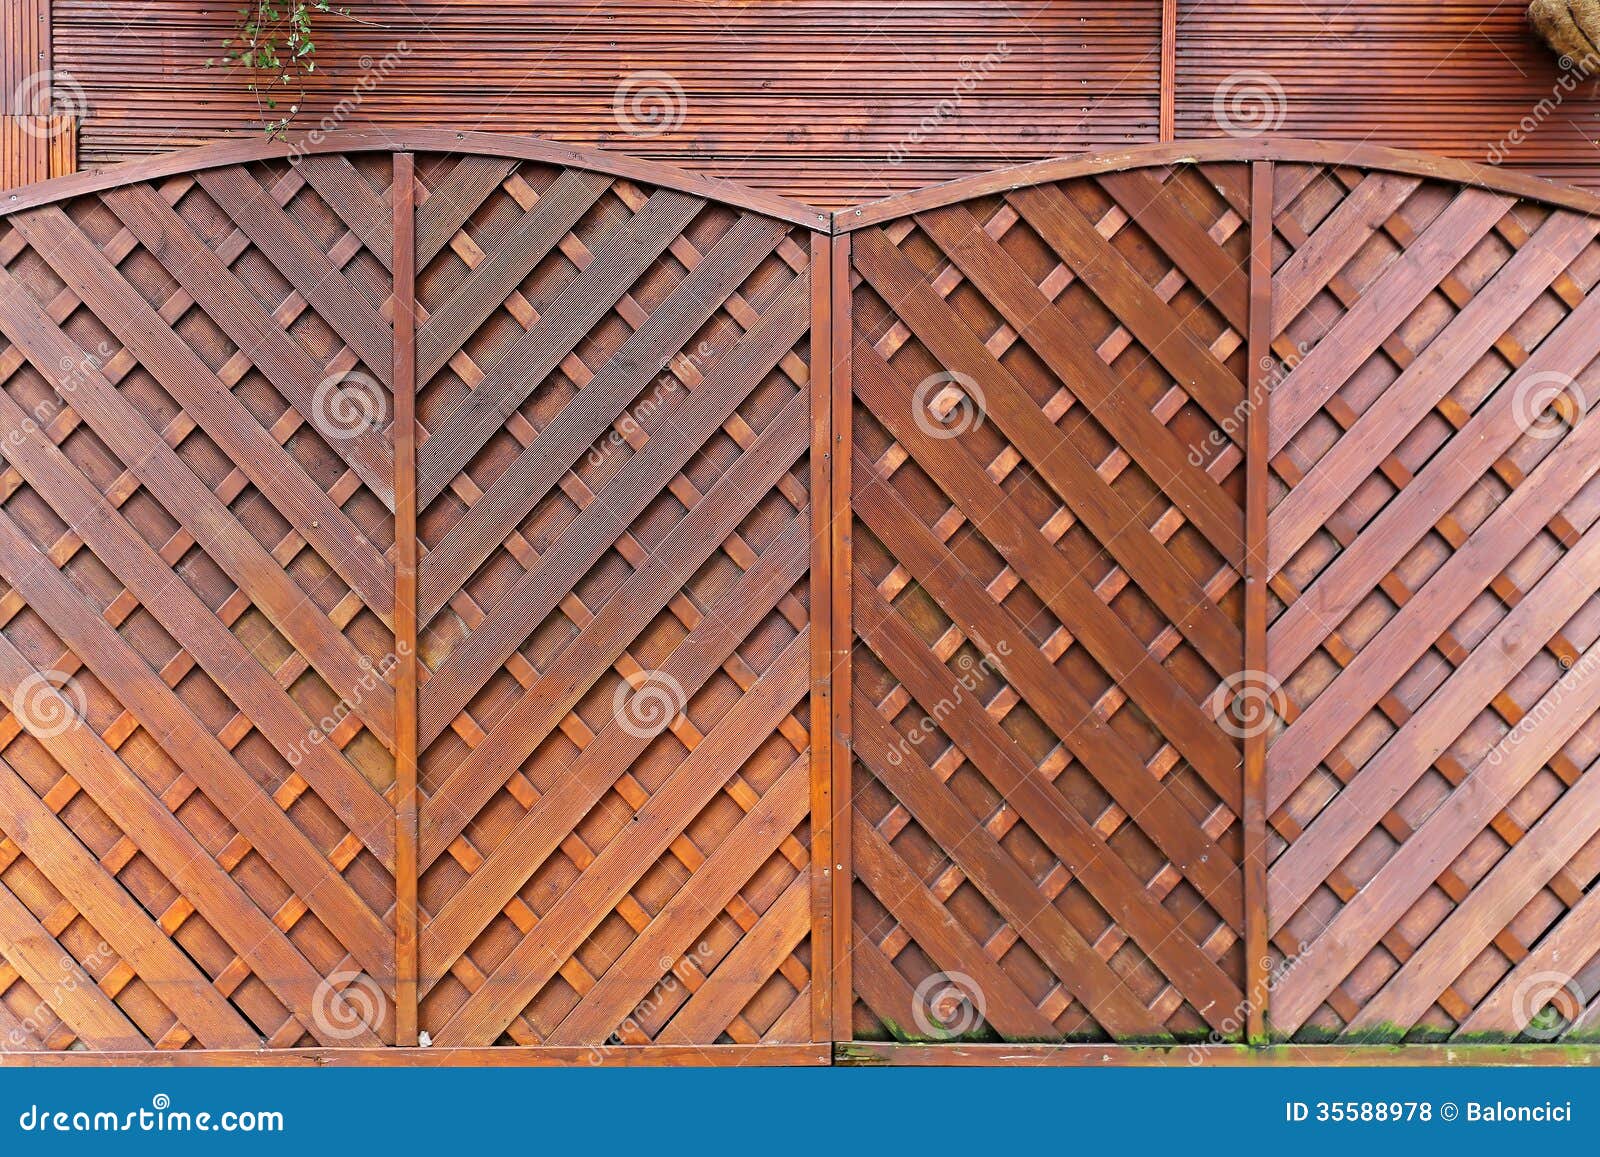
column 861, row 1053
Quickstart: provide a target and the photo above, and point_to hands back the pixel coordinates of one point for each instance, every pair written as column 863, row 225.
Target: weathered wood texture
column 974, row 581
column 615, row 517
column 196, row 610
column 1047, row 490
column 836, row 103
column 38, row 137
column 825, row 101
column 208, row 690
column 1431, row 553
column 1051, row 441
column 1461, row 78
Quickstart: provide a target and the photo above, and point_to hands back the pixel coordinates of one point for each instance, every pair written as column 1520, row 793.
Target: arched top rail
column 424, row 140
column 1278, row 149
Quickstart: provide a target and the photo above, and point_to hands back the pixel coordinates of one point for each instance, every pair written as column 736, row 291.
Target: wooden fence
column 475, row 595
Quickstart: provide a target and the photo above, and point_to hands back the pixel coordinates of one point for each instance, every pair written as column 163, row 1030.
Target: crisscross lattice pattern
column 613, row 382
column 1432, row 552
column 1047, row 559
column 196, row 619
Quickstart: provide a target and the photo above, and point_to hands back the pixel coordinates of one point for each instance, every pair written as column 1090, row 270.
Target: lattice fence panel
column 615, row 410
column 196, row 613
column 1432, row 552
column 1047, row 489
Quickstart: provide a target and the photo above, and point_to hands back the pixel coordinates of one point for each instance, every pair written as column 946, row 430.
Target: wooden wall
column 815, row 98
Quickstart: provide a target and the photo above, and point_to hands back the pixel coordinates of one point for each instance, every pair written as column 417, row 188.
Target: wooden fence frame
column 831, row 440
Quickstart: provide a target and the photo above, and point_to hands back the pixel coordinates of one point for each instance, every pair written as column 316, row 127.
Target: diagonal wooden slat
column 116, row 421
column 521, row 248
column 1154, row 322
column 1051, row 332
column 1446, row 594
column 249, row 325
column 92, row 890
column 1425, row 381
column 208, row 400
column 453, row 200
column 1402, row 287
column 1108, row 1001
column 676, row 926
column 742, row 973
column 522, row 367
column 942, row 936
column 70, row 991
column 246, row 805
column 344, row 190
column 173, row 849
column 1056, row 700
column 530, row 965
column 706, row 648
column 1158, row 209
column 304, row 265
column 539, row 467
column 1103, row 510
column 600, row 524
column 683, row 551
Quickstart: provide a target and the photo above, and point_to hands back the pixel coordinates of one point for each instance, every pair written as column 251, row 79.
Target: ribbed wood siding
column 810, row 99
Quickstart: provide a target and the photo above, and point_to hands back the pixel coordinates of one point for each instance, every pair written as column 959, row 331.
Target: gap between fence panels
column 703, row 630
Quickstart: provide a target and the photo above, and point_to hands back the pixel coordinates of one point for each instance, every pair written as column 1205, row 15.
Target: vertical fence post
column 405, row 599
column 1259, row 382
column 822, row 690
column 840, row 628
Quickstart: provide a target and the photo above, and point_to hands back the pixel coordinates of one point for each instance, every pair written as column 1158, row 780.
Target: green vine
column 275, row 43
